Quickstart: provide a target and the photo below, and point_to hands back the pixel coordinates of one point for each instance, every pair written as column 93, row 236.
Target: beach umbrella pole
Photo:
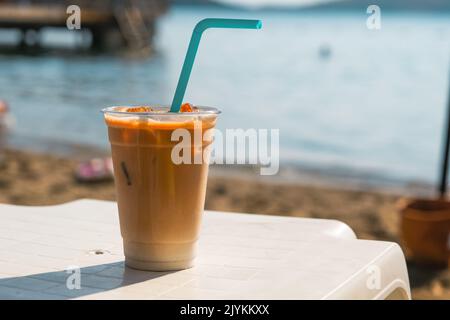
column 445, row 151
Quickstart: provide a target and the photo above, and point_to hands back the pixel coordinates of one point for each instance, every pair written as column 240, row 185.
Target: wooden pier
column 113, row 24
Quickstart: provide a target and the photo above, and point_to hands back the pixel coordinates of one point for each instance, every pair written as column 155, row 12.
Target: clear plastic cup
column 160, row 200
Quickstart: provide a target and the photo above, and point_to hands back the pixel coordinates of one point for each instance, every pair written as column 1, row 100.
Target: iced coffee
column 160, row 200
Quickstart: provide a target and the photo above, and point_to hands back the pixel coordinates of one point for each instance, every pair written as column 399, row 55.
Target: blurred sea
column 344, row 97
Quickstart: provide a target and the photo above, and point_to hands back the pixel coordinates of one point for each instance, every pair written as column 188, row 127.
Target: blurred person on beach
column 6, row 123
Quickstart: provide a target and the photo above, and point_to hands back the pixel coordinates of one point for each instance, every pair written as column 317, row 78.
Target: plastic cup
column 160, row 200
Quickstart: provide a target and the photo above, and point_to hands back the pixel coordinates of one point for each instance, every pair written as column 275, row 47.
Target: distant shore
column 289, row 173
column 30, row 178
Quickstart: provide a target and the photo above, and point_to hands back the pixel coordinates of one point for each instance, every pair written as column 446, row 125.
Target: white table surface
column 241, row 256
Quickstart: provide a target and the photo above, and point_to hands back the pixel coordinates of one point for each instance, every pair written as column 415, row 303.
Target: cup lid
column 158, row 110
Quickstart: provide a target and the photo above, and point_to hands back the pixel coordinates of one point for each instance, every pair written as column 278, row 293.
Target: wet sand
column 29, row 178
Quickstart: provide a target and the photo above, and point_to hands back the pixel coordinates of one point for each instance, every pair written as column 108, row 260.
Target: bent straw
column 193, row 47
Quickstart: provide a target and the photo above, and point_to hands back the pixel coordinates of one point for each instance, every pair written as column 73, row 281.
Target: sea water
column 342, row 96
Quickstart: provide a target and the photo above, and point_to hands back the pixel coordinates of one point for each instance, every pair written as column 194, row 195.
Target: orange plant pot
column 425, row 230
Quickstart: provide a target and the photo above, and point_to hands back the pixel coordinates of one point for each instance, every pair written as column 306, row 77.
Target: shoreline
column 289, row 173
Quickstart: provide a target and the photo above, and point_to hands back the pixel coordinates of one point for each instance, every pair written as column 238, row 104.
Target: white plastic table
column 44, row 251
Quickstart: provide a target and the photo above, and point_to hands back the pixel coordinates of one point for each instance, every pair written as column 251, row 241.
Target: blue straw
column 193, row 47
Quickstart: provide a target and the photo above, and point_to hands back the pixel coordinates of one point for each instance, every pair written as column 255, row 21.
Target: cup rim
column 203, row 110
